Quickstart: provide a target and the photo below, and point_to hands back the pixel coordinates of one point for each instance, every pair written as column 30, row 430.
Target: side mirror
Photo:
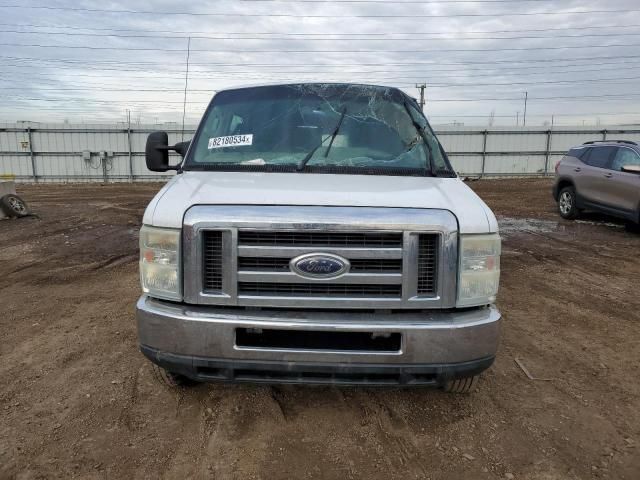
column 157, row 151
column 631, row 169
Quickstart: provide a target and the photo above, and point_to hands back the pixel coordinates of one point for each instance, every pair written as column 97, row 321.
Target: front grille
column 253, row 268
column 364, row 265
column 427, row 264
column 319, row 290
column 264, row 259
column 325, row 239
column 212, row 257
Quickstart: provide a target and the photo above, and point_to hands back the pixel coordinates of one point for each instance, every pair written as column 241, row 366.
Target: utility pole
column 421, row 88
column 129, row 145
column 186, row 82
column 524, row 116
column 517, row 119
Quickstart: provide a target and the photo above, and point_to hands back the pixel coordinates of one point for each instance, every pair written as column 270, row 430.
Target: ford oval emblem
column 319, row 265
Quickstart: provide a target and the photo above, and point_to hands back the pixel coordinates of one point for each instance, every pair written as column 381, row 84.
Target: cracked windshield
column 317, row 126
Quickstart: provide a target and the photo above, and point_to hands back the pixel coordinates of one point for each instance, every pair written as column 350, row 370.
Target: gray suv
column 603, row 176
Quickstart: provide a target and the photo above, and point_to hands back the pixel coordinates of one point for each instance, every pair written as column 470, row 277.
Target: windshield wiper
column 306, row 159
column 420, row 130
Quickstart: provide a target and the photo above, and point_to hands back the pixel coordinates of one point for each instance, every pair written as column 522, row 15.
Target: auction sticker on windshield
column 231, row 141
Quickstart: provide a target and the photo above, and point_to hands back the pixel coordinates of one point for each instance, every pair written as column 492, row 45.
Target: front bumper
column 200, row 342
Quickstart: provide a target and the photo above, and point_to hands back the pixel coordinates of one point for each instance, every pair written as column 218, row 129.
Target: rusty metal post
column 31, row 156
column 547, row 153
column 485, row 134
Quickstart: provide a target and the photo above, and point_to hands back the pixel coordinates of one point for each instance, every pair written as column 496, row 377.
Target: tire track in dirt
column 568, row 307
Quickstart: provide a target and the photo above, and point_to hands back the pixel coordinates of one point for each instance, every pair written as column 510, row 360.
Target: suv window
column 599, row 156
column 625, row 156
column 577, row 152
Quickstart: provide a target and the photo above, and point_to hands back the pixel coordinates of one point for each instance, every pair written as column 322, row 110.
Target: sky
column 107, row 61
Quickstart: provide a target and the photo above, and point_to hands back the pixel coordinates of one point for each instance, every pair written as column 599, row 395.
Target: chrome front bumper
column 200, row 342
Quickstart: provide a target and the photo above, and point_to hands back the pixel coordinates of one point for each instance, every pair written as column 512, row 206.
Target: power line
column 89, row 47
column 205, row 74
column 511, row 62
column 151, row 75
column 292, row 15
column 544, row 82
column 347, row 34
column 621, row 96
column 72, row 109
column 261, row 77
column 255, row 51
column 298, row 38
column 92, row 89
column 89, row 100
column 209, row 74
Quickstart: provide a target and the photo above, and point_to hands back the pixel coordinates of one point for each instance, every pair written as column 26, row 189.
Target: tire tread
column 8, row 210
column 171, row 379
column 574, row 212
column 462, row 385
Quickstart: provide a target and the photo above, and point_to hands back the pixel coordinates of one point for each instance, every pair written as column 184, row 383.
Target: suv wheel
column 461, row 385
column 171, row 379
column 567, row 203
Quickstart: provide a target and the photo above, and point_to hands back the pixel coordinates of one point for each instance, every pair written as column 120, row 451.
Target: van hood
column 183, row 191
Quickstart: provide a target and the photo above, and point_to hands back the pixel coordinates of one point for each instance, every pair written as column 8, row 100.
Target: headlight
column 160, row 262
column 479, row 270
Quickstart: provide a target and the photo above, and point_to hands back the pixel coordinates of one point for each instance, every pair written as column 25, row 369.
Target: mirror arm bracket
column 166, row 148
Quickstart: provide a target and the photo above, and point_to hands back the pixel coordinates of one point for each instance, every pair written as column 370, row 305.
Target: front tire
column 567, row 203
column 461, row 385
column 172, row 379
column 632, row 227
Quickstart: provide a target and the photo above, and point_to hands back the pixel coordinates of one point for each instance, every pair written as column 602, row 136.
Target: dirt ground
column 77, row 399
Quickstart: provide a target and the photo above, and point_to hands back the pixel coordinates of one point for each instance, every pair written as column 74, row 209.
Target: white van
column 317, row 233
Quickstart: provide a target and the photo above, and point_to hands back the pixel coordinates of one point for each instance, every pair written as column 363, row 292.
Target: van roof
column 282, row 84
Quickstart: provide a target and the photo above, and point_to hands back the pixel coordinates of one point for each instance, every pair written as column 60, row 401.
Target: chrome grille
column 364, row 265
column 212, row 258
column 427, row 264
column 399, row 258
column 325, row 239
column 265, row 256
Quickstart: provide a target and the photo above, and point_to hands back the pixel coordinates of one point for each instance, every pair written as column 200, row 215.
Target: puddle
column 509, row 225
column 604, row 224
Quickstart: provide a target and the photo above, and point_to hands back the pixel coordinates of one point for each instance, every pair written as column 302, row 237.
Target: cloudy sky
column 90, row 61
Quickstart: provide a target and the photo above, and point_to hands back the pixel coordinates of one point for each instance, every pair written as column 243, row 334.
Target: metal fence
column 34, row 152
